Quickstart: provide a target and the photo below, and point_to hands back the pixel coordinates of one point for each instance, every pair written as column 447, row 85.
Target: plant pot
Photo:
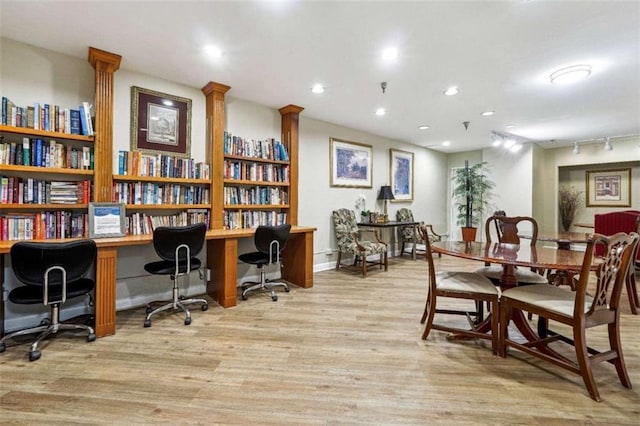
column 468, row 234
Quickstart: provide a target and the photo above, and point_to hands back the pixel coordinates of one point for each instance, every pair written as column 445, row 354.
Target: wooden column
column 297, row 259
column 105, row 65
column 215, row 109
column 290, row 115
column 222, row 260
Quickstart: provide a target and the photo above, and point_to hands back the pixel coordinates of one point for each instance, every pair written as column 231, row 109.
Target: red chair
column 622, row 221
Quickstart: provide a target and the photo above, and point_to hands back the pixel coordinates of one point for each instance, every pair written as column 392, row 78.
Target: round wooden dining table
column 510, row 256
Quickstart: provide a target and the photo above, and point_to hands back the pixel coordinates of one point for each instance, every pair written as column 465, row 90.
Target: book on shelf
column 86, row 107
column 74, row 121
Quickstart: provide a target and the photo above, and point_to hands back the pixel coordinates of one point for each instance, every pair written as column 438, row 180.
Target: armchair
column 407, row 235
column 349, row 241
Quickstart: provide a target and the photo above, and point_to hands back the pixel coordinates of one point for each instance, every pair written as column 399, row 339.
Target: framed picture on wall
column 160, row 123
column 609, row 188
column 401, row 170
column 351, row 164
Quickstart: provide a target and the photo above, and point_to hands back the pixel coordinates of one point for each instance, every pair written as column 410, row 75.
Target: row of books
column 269, row 149
column 41, row 153
column 255, row 171
column 17, row 190
column 159, row 193
column 255, row 195
column 252, row 219
column 141, row 223
column 135, row 163
column 43, row 225
column 48, row 117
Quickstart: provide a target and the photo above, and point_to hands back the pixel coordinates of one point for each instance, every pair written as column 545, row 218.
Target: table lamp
column 385, row 195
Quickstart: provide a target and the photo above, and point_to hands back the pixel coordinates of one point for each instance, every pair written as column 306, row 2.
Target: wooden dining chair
column 459, row 285
column 504, row 229
column 578, row 310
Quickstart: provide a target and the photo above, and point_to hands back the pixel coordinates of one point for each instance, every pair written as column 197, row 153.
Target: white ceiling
column 499, row 54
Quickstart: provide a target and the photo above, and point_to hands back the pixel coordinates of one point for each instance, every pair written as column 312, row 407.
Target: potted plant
column 568, row 204
column 471, row 190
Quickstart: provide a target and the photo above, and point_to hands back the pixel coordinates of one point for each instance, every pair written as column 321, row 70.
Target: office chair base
column 45, row 331
column 176, row 305
column 266, row 286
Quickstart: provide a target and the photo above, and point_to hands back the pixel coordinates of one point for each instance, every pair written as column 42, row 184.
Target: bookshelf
column 46, row 181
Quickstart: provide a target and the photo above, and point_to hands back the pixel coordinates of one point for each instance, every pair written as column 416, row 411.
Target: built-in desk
column 222, row 260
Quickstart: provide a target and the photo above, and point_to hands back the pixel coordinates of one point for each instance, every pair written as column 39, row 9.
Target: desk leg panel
column 298, row 260
column 105, row 300
column 222, row 260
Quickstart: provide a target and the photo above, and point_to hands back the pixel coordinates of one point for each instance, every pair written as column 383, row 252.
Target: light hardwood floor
column 347, row 351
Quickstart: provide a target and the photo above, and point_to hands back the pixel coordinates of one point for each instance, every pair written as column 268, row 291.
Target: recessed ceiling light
column 509, row 126
column 509, row 143
column 488, row 113
column 423, row 127
column 390, row 54
column 213, row 51
column 570, row 74
column 516, row 147
column 497, row 142
column 381, row 111
column 453, row 90
column 317, row 88
column 446, row 143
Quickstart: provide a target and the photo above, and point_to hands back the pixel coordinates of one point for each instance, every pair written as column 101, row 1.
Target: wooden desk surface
column 132, row 240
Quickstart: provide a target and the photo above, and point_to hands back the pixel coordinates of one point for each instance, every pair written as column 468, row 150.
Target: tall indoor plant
column 471, row 191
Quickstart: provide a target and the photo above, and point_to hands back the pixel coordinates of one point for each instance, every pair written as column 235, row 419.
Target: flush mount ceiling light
column 576, row 148
column 381, row 111
column 446, row 143
column 390, row 54
column 487, row 113
column 453, row 90
column 213, row 51
column 570, row 74
column 423, row 127
column 607, row 145
column 317, row 88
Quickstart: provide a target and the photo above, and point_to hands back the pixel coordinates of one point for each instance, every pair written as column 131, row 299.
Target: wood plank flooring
column 347, row 351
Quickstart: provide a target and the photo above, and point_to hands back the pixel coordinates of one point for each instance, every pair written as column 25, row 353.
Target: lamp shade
column 385, row 193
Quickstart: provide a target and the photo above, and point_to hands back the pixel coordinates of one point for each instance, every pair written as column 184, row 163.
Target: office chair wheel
column 3, row 347
column 34, row 355
column 91, row 337
column 245, row 297
column 147, row 323
column 148, row 310
column 287, row 289
column 274, row 298
column 187, row 321
column 204, row 307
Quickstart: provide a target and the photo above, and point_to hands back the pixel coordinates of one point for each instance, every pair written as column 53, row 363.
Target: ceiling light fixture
column 423, row 127
column 213, row 51
column 515, row 148
column 446, row 143
column 497, row 142
column 317, row 88
column 390, row 54
column 453, row 90
column 508, row 143
column 381, row 111
column 487, row 113
column 570, row 74
column 607, row 145
column 576, row 148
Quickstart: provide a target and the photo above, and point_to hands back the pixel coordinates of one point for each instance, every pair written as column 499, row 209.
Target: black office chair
column 51, row 274
column 270, row 241
column 178, row 248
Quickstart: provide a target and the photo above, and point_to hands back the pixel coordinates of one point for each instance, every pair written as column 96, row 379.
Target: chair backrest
column 610, row 276
column 265, row 237
column 505, row 229
column 30, row 260
column 422, row 230
column 613, row 222
column 167, row 239
column 405, row 215
column 345, row 225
